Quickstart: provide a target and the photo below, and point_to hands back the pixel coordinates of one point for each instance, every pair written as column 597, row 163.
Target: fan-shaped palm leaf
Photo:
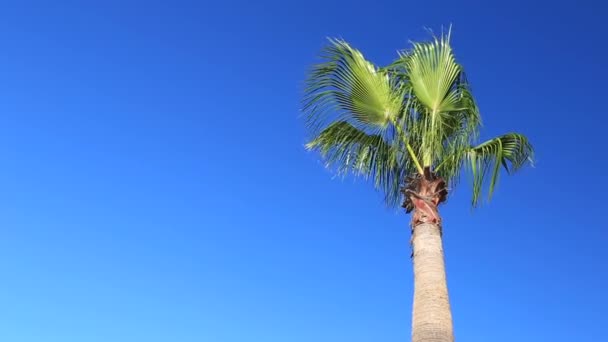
column 432, row 71
column 348, row 86
column 445, row 110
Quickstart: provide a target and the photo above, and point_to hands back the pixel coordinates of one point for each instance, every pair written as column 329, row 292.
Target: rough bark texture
column 431, row 317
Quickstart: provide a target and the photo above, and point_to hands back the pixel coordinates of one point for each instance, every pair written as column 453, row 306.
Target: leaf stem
column 408, row 146
column 413, row 155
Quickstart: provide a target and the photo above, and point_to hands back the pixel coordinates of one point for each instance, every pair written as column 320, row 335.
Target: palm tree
column 411, row 128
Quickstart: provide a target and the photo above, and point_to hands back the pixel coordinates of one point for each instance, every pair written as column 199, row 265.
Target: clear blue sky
column 154, row 185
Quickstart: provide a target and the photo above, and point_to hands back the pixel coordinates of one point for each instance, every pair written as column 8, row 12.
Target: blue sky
column 154, row 185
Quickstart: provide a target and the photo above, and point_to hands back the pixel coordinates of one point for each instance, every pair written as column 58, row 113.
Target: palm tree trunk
column 431, row 318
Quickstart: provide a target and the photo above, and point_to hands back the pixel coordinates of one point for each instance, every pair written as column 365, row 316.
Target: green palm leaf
column 511, row 150
column 347, row 149
column 433, row 71
column 446, row 117
column 348, row 86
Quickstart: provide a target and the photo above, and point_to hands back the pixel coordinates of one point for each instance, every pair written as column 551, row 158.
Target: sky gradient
column 154, row 185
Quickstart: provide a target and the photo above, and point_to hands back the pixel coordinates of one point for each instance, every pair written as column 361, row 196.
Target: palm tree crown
column 413, row 117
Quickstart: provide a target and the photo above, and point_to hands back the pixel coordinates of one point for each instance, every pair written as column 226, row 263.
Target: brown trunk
column 431, row 317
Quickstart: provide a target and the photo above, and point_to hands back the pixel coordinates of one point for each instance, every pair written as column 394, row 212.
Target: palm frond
column 433, row 71
column 347, row 149
column 511, row 151
column 347, row 87
column 445, row 117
